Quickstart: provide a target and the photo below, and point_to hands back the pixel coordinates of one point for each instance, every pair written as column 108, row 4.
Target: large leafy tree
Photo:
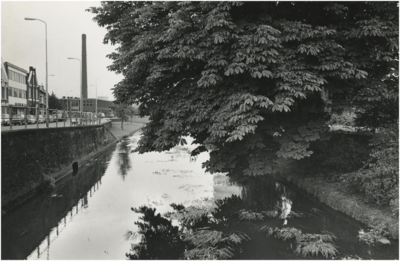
column 250, row 81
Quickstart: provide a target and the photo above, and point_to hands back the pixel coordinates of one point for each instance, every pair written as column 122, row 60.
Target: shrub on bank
column 341, row 153
column 378, row 179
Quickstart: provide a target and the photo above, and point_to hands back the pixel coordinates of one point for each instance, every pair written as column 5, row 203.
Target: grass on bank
column 356, row 173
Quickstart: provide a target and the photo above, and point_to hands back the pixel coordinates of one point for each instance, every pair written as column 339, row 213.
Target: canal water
column 88, row 215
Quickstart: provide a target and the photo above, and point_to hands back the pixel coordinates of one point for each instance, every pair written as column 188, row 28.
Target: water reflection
column 159, row 238
column 284, row 203
column 34, row 225
column 88, row 219
column 249, row 225
column 124, row 162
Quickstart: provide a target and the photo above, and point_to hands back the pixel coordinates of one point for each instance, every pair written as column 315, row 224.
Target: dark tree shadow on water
column 258, row 224
column 202, row 233
column 159, row 239
column 230, row 228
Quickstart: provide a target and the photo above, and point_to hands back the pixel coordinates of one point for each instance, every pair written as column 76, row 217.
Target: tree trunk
column 122, row 124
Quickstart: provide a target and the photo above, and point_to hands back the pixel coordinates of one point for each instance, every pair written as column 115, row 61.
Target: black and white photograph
column 203, row 130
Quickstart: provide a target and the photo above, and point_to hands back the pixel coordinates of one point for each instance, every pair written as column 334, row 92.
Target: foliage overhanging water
column 88, row 215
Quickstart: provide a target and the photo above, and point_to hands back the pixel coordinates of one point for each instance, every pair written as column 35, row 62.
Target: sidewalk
column 129, row 128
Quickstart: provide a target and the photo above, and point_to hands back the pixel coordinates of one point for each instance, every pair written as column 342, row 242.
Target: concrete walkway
column 129, row 128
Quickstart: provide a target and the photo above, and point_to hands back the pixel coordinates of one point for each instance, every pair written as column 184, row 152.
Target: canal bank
column 129, row 128
column 38, row 158
column 89, row 214
column 116, row 132
column 335, row 195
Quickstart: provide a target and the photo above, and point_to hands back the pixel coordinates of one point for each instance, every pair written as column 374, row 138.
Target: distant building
column 4, row 89
column 103, row 98
column 20, row 89
column 32, row 94
column 42, row 99
column 17, row 88
column 70, row 103
column 89, row 105
column 103, row 106
column 36, row 94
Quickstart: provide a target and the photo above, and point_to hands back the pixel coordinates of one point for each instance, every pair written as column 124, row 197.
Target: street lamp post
column 81, row 102
column 55, row 91
column 96, row 98
column 47, row 91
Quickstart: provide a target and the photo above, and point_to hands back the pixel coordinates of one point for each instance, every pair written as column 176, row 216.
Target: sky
column 23, row 44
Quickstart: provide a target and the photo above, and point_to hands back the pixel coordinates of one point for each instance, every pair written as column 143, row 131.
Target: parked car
column 74, row 121
column 5, row 119
column 31, row 119
column 59, row 116
column 41, row 119
column 18, row 119
column 51, row 118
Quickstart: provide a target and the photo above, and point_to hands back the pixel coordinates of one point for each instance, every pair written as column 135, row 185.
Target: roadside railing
column 34, row 115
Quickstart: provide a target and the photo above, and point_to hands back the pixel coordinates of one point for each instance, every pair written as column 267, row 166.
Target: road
column 43, row 125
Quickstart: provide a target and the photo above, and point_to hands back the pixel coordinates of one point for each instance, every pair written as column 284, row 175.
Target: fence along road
column 46, row 118
column 43, row 125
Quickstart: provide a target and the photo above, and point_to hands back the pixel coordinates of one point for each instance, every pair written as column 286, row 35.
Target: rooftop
column 15, row 67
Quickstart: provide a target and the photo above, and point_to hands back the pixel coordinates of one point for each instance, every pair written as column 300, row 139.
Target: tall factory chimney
column 84, row 68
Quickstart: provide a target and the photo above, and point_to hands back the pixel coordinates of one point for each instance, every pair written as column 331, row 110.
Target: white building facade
column 17, row 88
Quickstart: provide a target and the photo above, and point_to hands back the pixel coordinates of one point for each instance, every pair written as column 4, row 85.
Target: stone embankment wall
column 30, row 156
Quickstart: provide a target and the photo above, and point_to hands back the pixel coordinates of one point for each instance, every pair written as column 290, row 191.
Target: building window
column 17, row 77
column 10, row 91
column 4, row 92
